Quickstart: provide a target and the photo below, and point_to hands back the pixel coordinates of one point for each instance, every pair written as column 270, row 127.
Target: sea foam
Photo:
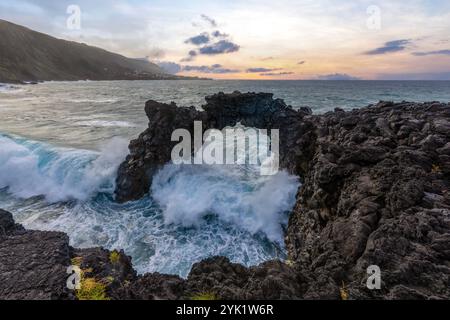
column 236, row 194
column 193, row 211
column 30, row 168
column 190, row 193
column 7, row 88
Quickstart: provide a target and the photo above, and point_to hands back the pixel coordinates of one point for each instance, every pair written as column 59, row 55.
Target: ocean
column 62, row 142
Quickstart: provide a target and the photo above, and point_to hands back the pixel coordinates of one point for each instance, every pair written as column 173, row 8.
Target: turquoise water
column 61, row 144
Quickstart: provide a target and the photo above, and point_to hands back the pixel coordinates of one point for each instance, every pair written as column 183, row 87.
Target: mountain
column 27, row 55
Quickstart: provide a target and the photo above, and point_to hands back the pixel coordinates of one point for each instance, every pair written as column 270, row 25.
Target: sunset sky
column 260, row 39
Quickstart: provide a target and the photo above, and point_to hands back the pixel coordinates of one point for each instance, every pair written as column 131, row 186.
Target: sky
column 258, row 39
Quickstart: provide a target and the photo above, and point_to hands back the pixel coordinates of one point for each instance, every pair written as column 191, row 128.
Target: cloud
column 218, row 34
column 174, row 68
column 259, row 70
column 276, row 73
column 156, row 53
column 215, row 68
column 191, row 56
column 223, row 46
column 134, row 29
column 390, row 47
column 210, row 20
column 301, row 62
column 430, row 53
column 199, row 40
column 169, row 67
column 219, row 47
column 337, row 76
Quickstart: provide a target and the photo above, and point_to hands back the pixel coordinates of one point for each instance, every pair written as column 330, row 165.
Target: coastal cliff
column 30, row 56
column 374, row 191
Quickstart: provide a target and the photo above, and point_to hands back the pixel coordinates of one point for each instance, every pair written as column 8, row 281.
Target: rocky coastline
column 375, row 192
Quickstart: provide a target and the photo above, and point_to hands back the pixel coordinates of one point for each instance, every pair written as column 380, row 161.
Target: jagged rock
column 375, row 192
column 230, row 281
column 369, row 176
column 33, row 264
column 156, row 286
column 7, row 224
column 378, row 200
column 153, row 148
column 112, row 269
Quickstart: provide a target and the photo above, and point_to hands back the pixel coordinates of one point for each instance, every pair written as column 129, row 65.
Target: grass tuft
column 77, row 261
column 344, row 292
column 290, row 263
column 435, row 168
column 91, row 289
column 204, row 296
column 114, row 257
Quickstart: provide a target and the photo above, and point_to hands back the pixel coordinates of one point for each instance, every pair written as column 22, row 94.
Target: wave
column 188, row 194
column 30, row 168
column 235, row 194
column 93, row 100
column 139, row 229
column 194, row 212
column 7, row 88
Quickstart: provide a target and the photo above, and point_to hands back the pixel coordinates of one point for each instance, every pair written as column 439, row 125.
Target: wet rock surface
column 34, row 266
column 375, row 192
column 153, row 148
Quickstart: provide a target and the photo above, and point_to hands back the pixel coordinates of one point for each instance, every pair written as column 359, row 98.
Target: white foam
column 164, row 233
column 29, row 169
column 7, row 88
column 139, row 229
column 92, row 100
column 236, row 194
column 187, row 194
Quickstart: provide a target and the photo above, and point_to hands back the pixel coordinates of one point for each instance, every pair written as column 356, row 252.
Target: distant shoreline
column 28, row 82
column 30, row 57
column 32, row 82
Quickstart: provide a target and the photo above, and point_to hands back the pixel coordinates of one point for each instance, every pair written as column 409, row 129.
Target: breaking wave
column 29, row 168
column 194, row 212
column 7, row 88
column 188, row 194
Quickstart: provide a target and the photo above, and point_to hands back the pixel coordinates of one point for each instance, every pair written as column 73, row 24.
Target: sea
column 61, row 144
